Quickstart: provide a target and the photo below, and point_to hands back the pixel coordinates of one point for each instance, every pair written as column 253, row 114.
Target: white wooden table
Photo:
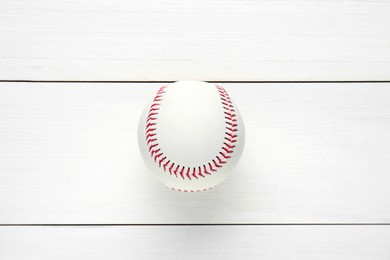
column 311, row 79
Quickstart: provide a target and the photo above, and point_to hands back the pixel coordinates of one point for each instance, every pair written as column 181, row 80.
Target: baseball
column 191, row 135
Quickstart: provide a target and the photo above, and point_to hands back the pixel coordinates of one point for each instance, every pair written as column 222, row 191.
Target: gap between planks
column 189, row 224
column 169, row 81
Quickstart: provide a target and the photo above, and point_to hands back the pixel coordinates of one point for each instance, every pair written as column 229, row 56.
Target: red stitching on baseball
column 154, row 151
column 181, row 172
column 200, row 172
column 227, row 148
column 188, row 173
column 175, row 171
column 220, row 160
column 191, row 190
column 158, row 155
column 161, row 161
column 152, row 146
column 150, row 135
column 194, row 173
column 170, row 168
column 224, row 155
column 211, row 168
column 151, row 140
column 216, row 164
column 205, row 170
column 166, row 164
column 151, row 118
column 231, row 135
column 150, row 130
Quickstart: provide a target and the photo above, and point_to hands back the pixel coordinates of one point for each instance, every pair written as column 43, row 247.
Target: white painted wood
column 314, row 153
column 196, row 242
column 206, row 40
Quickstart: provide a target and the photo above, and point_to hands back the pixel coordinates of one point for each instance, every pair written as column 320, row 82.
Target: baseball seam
column 200, row 171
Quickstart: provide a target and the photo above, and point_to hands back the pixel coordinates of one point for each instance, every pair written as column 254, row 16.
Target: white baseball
column 191, row 135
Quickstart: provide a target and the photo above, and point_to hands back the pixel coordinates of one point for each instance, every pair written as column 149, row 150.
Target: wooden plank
column 316, row 153
column 196, row 242
column 205, row 40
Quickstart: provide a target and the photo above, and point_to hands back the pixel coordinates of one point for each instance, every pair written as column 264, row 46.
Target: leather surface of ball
column 191, row 135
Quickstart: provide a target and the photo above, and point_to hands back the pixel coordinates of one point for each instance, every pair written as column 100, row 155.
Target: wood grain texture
column 205, row 40
column 315, row 153
column 186, row 242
